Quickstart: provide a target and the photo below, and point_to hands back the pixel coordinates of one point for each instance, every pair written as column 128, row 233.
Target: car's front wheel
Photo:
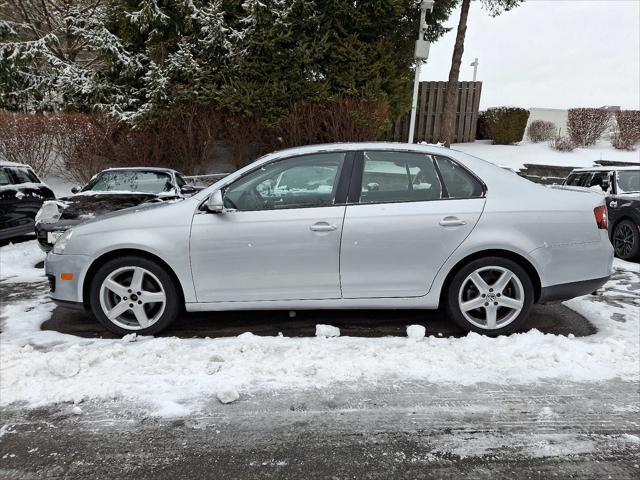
column 626, row 240
column 134, row 295
column 490, row 295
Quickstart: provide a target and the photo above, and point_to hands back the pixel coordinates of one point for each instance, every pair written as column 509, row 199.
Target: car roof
column 6, row 163
column 149, row 169
column 605, row 169
column 350, row 146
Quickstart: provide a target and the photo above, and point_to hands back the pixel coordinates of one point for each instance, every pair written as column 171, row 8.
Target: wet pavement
column 411, row 432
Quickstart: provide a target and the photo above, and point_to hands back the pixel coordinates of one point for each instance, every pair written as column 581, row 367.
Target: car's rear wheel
column 626, row 240
column 134, row 295
column 490, row 295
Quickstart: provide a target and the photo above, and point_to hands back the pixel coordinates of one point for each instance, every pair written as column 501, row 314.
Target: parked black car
column 110, row 190
column 622, row 187
column 21, row 196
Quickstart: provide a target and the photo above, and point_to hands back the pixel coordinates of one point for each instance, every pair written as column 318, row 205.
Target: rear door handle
column 322, row 227
column 452, row 222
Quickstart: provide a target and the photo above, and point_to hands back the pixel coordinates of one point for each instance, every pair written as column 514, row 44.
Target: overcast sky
column 549, row 53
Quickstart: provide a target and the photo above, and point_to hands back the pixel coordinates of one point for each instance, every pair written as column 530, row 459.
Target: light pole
column 421, row 55
column 475, row 64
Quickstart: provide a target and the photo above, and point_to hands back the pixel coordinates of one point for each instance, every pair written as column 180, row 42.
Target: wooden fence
column 429, row 113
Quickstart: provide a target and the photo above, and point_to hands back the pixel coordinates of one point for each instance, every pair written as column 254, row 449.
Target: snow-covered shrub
column 586, row 125
column 628, row 134
column 506, row 124
column 541, row 131
column 27, row 138
column 562, row 144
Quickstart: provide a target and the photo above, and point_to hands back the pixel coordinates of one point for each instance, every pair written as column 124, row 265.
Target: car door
column 10, row 197
column 407, row 212
column 30, row 195
column 279, row 236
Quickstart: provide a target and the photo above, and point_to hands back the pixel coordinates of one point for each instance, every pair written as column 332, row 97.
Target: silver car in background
column 362, row 225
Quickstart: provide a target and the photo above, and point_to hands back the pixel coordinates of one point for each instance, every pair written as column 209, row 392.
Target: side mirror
column 75, row 189
column 215, row 203
column 188, row 189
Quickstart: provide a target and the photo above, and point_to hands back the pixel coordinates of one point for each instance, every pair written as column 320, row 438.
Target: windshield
column 629, row 181
column 130, row 181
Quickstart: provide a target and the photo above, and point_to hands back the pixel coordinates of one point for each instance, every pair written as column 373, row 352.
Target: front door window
column 300, row 182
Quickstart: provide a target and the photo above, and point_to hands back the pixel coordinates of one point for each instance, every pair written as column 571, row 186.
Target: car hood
column 85, row 207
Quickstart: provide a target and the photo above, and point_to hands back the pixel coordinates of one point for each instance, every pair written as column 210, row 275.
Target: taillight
column 601, row 217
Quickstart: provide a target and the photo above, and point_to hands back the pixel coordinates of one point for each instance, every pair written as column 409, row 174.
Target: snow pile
column 17, row 262
column 515, row 156
column 416, row 332
column 327, row 331
column 228, row 395
column 174, row 376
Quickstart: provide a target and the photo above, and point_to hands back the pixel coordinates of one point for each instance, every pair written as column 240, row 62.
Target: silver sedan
column 362, row 225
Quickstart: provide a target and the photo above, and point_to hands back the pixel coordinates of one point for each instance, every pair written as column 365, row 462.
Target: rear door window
column 399, row 177
column 600, row 179
column 577, row 179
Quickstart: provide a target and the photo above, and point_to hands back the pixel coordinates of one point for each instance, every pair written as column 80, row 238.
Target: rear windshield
column 629, row 181
column 130, row 181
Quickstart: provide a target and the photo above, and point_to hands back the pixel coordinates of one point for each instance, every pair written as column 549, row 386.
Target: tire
column 626, row 240
column 145, row 310
column 511, row 303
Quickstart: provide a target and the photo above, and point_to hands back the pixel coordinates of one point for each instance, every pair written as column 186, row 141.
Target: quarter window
column 399, row 177
column 299, row 182
column 459, row 182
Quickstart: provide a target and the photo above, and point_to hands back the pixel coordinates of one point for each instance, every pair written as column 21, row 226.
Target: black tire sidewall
column 453, row 309
column 173, row 302
column 635, row 250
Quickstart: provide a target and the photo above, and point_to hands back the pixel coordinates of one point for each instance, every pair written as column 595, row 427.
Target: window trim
column 342, row 188
column 355, row 187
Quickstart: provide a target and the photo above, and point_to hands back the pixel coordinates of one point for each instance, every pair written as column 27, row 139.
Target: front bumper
column 70, row 287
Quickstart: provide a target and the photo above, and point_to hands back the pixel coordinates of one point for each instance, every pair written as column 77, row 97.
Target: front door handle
column 613, row 204
column 322, row 227
column 452, row 222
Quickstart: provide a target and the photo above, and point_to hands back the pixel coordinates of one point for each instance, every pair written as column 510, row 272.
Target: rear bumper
column 566, row 291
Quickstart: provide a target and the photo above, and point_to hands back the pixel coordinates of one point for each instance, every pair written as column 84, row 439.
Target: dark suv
column 21, row 196
column 622, row 187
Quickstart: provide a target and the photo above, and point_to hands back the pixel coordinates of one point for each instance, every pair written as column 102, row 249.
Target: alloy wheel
column 132, row 298
column 623, row 240
column 491, row 297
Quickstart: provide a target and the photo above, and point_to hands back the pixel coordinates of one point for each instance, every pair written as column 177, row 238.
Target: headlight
column 61, row 243
column 49, row 213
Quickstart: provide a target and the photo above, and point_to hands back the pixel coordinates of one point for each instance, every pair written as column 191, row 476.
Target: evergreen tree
column 137, row 59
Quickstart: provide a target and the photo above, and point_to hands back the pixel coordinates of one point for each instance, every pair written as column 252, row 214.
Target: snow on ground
column 60, row 187
column 515, row 156
column 173, row 376
column 17, row 263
